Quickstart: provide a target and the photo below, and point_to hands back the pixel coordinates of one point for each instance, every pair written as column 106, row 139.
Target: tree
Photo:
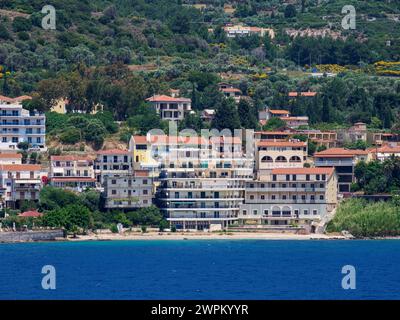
column 247, row 115
column 4, row 34
column 21, row 24
column 274, row 123
column 69, row 217
column 290, row 11
column 226, row 116
column 52, row 198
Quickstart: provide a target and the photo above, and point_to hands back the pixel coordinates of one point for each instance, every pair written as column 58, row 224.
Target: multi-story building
column 290, row 196
column 72, row 172
column 344, row 162
column 128, row 191
column 233, row 31
column 20, row 125
column 327, row 139
column 19, row 182
column 280, row 154
column 202, row 180
column 10, row 158
column 273, row 135
column 292, row 122
column 382, row 138
column 112, row 162
column 170, row 108
column 232, row 92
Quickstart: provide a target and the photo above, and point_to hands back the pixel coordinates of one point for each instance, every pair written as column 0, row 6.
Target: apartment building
column 128, row 191
column 20, row 125
column 112, row 162
column 19, row 182
column 328, row 139
column 290, row 196
column 169, row 108
column 72, row 172
column 344, row 162
column 202, row 181
column 280, row 154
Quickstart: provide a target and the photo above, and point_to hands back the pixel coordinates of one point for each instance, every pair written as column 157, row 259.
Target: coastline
column 206, row 236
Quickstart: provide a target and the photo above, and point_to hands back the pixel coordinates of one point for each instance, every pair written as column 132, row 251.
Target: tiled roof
column 165, row 98
column 231, row 90
column 20, row 167
column 303, row 94
column 140, row 139
column 141, row 173
column 277, row 111
column 340, row 152
column 10, row 156
column 32, row 213
column 73, row 179
column 281, row 144
column 327, row 171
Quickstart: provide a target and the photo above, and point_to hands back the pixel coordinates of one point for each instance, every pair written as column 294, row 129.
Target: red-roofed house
column 170, row 108
column 20, row 182
column 72, row 172
column 308, row 94
column 292, row 122
column 30, row 214
column 10, row 158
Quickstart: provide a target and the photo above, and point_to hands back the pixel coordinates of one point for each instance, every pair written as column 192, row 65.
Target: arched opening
column 276, row 211
column 295, row 159
column 281, row 159
column 266, row 159
column 286, row 211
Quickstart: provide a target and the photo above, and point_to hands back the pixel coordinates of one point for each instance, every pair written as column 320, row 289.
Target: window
column 321, row 185
column 284, row 197
column 145, row 181
column 305, row 212
column 294, row 185
column 266, row 212
column 288, row 177
column 324, row 177
column 294, row 197
column 307, row 177
column 145, row 192
column 113, row 181
column 244, row 212
column 315, row 212
column 312, row 197
column 262, row 197
column 113, row 191
column 317, row 177
column 273, row 197
column 252, row 197
column 321, row 197
column 303, row 197
column 255, row 212
column 274, row 177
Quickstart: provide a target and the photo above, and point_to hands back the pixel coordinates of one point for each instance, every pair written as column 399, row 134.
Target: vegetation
column 365, row 219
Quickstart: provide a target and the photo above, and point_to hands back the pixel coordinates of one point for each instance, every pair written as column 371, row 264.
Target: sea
column 201, row 270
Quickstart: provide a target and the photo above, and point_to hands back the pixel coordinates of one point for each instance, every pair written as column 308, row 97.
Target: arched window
column 281, row 159
column 276, row 211
column 295, row 159
column 286, row 211
column 266, row 159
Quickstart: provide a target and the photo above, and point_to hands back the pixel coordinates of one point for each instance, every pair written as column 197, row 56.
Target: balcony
column 333, row 163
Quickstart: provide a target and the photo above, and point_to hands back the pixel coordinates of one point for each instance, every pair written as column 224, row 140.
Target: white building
column 20, row 125
column 10, row 158
column 170, row 108
column 240, row 31
column 290, row 196
column 72, row 172
column 128, row 191
column 112, row 162
column 19, row 182
column 202, row 180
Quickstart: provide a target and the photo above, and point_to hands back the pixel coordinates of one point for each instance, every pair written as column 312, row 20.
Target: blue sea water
column 201, row 269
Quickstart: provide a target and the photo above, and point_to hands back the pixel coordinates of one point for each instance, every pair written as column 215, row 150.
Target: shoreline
column 206, row 236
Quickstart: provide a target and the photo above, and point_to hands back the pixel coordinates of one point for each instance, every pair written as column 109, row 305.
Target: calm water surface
column 201, row 269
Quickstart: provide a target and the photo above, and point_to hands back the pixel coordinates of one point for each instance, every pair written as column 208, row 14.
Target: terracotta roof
column 328, row 171
column 231, row 90
column 113, row 152
column 32, row 213
column 282, row 144
column 70, row 158
column 301, row 118
column 165, row 98
column 340, row 152
column 10, row 156
column 141, row 173
column 279, row 111
column 140, row 139
column 271, row 133
column 17, row 99
column 386, row 149
column 20, row 167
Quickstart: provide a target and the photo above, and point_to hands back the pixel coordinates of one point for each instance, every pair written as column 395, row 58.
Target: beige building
column 233, row 31
column 10, row 158
column 290, row 196
column 72, row 172
column 280, row 154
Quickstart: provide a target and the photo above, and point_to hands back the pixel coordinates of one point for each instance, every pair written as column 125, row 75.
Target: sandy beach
column 205, row 236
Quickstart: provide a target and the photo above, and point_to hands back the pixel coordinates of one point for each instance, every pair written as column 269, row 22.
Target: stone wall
column 24, row 236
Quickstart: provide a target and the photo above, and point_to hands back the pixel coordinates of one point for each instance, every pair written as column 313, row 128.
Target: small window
column 255, row 212
column 266, row 212
column 315, row 212
column 305, row 212
column 244, row 212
